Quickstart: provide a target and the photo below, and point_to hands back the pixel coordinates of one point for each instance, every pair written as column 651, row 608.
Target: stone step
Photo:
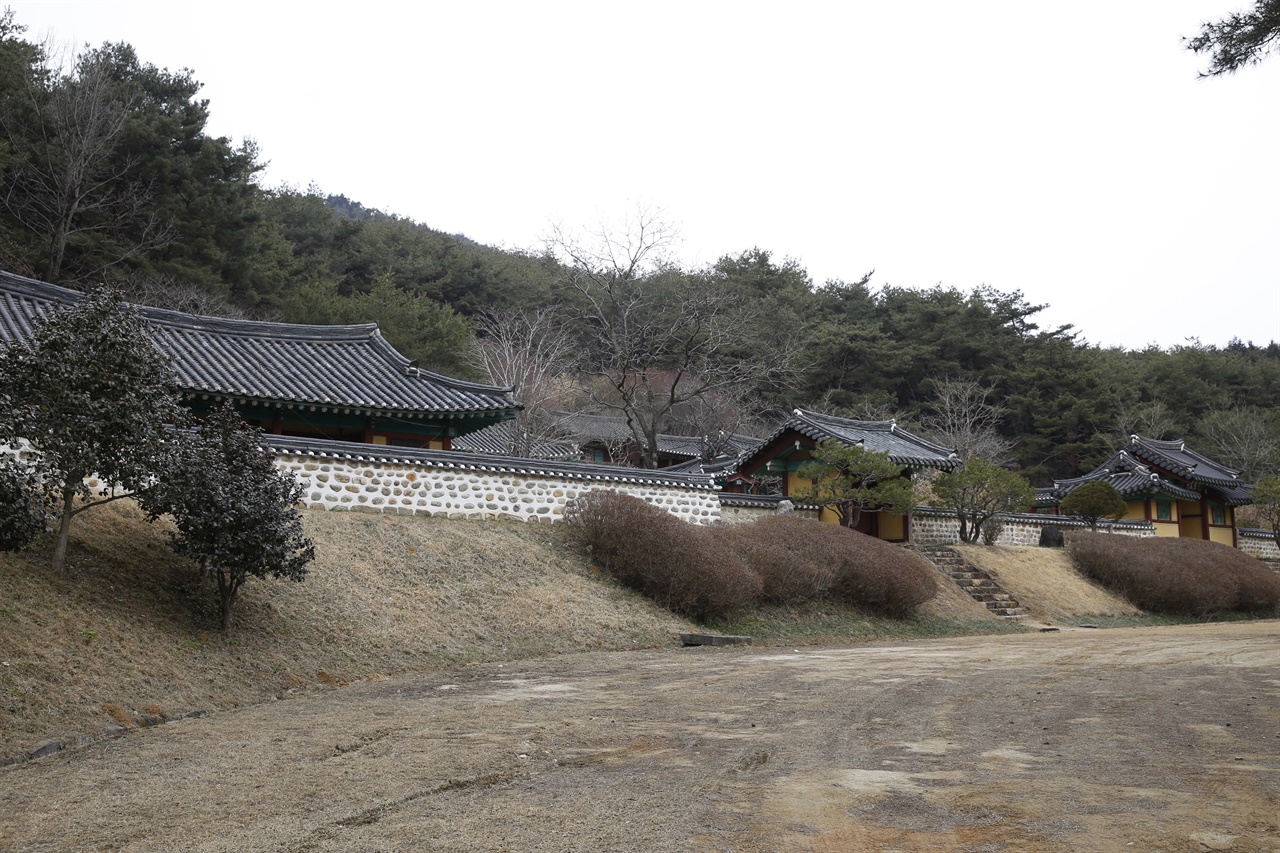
column 976, row 583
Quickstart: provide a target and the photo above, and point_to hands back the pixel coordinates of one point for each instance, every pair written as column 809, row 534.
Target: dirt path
column 1148, row 740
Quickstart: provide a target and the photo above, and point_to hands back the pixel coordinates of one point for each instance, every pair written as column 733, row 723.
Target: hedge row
column 1186, row 577
column 708, row 572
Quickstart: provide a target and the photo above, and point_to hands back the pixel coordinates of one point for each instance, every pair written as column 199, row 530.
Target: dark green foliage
column 21, row 513
column 682, row 567
column 157, row 197
column 1188, row 577
column 851, row 481
column 1094, row 501
column 91, row 394
column 1240, row 39
column 980, row 491
column 236, row 515
column 111, row 168
column 427, row 331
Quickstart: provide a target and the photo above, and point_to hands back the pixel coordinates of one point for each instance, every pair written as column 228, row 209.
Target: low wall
column 740, row 509
column 409, row 481
column 1259, row 543
column 937, row 526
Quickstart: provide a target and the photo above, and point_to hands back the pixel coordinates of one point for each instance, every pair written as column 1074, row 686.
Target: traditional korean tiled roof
column 333, row 368
column 354, row 451
column 740, row 499
column 613, row 428
column 1184, row 463
column 1132, row 477
column 902, row 447
column 496, row 440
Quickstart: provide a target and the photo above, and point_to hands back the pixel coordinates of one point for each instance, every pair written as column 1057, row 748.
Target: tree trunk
column 228, row 587
column 64, row 525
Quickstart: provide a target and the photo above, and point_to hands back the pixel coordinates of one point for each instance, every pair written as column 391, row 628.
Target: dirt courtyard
column 1084, row 740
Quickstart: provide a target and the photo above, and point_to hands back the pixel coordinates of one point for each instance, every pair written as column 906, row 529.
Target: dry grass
column 1045, row 580
column 132, row 635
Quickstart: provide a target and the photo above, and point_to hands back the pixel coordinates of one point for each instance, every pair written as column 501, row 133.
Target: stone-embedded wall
column 741, row 509
column 935, row 526
column 1259, row 543
column 369, row 478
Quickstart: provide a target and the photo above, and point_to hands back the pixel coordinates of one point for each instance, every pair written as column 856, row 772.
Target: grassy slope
column 130, row 634
column 1044, row 580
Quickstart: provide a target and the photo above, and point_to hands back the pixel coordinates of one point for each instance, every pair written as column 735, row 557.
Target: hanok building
column 607, row 439
column 777, row 459
column 1176, row 489
column 342, row 383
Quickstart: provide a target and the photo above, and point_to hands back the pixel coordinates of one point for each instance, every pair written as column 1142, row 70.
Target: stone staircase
column 980, row 586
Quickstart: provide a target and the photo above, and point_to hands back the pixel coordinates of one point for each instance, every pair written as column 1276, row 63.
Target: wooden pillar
column 1204, row 516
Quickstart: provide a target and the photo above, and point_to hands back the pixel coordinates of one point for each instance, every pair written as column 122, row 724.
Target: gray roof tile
column 901, row 446
column 350, row 450
column 335, row 366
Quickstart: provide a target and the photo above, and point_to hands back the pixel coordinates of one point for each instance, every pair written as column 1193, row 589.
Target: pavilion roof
column 901, row 446
column 345, row 368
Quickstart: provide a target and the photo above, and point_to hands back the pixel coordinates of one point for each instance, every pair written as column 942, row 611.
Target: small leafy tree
column 90, row 394
column 1093, row 501
column 851, row 480
column 1266, row 498
column 236, row 515
column 980, row 491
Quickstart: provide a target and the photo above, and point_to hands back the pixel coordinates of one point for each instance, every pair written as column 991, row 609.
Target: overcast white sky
column 1065, row 150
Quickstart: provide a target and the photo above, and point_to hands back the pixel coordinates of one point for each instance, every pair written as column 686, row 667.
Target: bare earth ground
column 1164, row 739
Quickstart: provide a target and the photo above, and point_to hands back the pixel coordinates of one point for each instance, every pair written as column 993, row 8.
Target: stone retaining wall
column 936, row 526
column 1259, row 543
column 373, row 478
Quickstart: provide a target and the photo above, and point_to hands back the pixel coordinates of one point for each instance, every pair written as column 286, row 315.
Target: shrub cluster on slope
column 706, row 573
column 1185, row 577
column 685, row 568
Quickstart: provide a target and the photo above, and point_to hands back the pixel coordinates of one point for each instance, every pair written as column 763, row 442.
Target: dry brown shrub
column 120, row 716
column 687, row 569
column 879, row 577
column 800, row 559
column 1187, row 577
column 777, row 548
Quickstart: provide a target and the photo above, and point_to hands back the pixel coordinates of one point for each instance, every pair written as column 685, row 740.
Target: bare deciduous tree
column 71, row 184
column 1246, row 438
column 966, row 418
column 1152, row 420
column 167, row 291
column 530, row 352
column 655, row 335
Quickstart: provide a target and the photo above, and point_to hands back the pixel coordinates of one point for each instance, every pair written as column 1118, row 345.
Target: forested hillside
column 107, row 174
